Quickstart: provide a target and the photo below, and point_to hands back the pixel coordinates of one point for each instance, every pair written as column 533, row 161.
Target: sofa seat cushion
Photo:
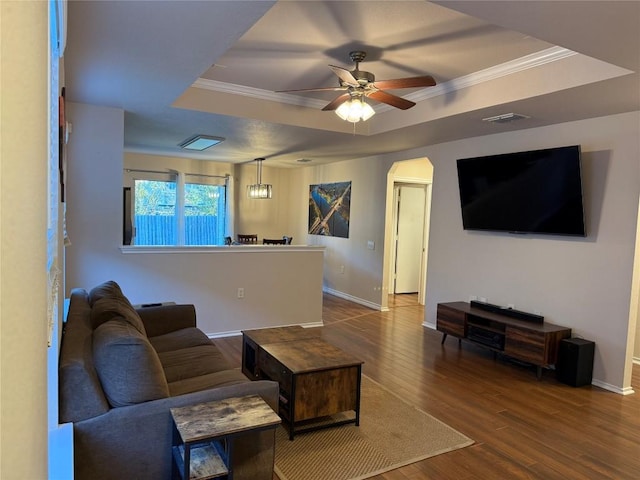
column 127, row 365
column 211, row 380
column 179, row 339
column 192, row 362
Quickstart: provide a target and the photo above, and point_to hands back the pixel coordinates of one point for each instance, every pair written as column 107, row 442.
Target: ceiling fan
column 359, row 84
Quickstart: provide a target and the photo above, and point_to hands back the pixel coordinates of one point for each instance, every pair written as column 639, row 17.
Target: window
column 164, row 216
column 204, row 221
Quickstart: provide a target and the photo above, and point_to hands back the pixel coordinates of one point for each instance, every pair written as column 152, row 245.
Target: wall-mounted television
column 538, row 191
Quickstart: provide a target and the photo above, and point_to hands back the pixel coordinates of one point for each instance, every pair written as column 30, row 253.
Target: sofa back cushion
column 107, row 301
column 107, row 308
column 80, row 392
column 106, row 289
column 127, row 365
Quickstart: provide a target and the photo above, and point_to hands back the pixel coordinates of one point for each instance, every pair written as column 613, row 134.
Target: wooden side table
column 203, row 433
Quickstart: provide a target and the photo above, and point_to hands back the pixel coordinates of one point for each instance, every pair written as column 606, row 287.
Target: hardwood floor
column 523, row 428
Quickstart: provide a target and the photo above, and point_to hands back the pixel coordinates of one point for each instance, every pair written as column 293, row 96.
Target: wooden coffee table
column 316, row 379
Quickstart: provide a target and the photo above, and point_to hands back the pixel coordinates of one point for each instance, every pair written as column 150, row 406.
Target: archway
column 415, row 172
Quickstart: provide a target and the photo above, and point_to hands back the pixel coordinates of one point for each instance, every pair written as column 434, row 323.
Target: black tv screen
column 538, row 191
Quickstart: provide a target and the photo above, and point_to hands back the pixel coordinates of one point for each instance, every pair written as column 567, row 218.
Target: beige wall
column 23, row 224
column 282, row 285
column 266, row 218
column 583, row 283
column 635, row 303
column 361, row 279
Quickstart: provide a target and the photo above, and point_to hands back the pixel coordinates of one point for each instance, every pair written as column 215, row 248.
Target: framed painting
column 329, row 209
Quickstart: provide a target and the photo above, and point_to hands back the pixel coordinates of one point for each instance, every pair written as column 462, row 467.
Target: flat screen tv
column 538, row 191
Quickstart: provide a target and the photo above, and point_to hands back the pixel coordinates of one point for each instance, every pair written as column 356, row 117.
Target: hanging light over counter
column 259, row 190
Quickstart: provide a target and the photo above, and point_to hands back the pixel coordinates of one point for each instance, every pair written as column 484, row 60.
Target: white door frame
column 394, row 244
column 396, row 175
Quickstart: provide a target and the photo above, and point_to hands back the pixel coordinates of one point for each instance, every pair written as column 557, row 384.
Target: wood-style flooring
column 524, row 428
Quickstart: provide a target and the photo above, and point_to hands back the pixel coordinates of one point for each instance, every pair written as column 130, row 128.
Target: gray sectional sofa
column 121, row 370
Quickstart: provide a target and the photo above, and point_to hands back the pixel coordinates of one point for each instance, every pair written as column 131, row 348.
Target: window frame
column 180, row 179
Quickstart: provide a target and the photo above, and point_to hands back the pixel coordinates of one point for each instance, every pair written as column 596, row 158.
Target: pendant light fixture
column 259, row 189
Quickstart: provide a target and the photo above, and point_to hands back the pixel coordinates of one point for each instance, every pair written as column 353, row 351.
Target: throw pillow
column 127, row 365
column 108, row 308
column 107, row 289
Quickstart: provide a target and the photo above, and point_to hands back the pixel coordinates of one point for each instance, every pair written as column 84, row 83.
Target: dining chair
column 248, row 239
column 274, row 241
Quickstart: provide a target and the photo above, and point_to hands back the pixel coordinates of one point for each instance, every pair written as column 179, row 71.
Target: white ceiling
column 180, row 68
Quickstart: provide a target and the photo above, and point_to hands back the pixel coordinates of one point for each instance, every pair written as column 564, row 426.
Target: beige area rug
column 392, row 433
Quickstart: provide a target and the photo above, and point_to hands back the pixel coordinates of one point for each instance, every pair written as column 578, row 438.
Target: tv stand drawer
column 451, row 321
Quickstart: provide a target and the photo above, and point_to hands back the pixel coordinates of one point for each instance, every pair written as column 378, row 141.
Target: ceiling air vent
column 505, row 118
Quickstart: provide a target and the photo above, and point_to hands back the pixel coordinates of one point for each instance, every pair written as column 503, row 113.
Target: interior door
column 409, row 237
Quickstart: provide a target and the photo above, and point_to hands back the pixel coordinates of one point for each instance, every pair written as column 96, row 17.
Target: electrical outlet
column 341, row 268
column 483, row 299
column 240, row 292
column 473, row 298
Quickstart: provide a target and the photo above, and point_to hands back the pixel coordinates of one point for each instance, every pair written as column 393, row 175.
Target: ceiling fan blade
column 336, row 102
column 319, row 89
column 345, row 75
column 392, row 100
column 410, row 82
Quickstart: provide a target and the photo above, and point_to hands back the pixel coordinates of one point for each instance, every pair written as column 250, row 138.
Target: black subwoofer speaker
column 575, row 361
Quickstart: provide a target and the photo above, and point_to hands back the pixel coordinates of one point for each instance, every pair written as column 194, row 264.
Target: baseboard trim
column 235, row 333
column 353, row 299
column 429, row 325
column 613, row 388
column 636, row 360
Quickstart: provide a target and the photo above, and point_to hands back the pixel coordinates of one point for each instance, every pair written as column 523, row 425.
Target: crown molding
column 532, row 60
column 505, row 69
column 258, row 93
column 527, row 62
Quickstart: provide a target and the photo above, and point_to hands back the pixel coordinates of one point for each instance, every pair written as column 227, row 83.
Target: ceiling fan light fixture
column 354, row 110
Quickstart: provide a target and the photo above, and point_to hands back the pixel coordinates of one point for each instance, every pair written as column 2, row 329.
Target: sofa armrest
column 162, row 319
column 135, row 441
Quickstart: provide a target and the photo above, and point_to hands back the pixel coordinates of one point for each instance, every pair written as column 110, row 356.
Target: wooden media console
column 531, row 342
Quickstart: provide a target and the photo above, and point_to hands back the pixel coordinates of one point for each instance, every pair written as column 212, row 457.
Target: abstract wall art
column 329, row 209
